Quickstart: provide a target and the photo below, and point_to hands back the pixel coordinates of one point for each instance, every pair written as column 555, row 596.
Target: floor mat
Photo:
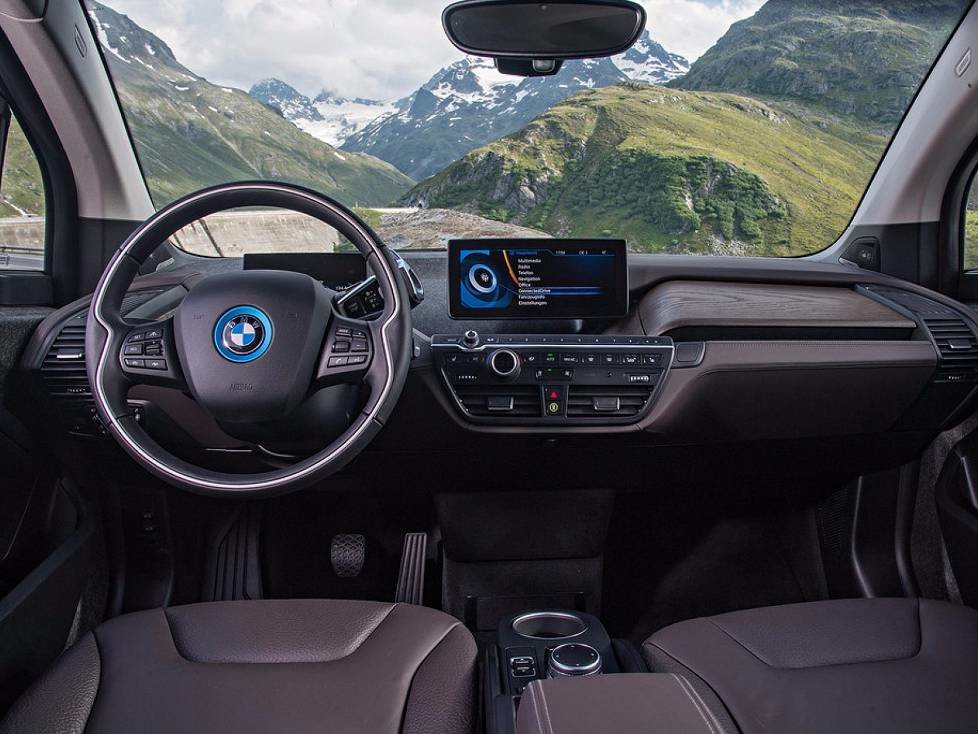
column 670, row 561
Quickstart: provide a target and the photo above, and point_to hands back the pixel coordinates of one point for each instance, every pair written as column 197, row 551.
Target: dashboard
column 667, row 353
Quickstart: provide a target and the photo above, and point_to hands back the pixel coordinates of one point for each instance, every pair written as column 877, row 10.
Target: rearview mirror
column 524, row 29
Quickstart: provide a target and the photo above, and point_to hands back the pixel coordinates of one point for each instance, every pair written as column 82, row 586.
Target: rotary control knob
column 505, row 363
column 574, row 659
column 470, row 339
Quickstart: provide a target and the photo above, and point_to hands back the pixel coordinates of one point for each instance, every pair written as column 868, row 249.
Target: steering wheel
column 249, row 346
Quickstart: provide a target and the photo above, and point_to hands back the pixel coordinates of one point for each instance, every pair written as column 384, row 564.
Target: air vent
column 63, row 369
column 958, row 347
column 501, row 401
column 585, row 401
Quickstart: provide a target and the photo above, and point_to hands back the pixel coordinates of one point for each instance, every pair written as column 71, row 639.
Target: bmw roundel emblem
column 243, row 334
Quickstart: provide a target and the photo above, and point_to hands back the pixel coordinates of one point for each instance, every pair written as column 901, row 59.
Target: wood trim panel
column 684, row 304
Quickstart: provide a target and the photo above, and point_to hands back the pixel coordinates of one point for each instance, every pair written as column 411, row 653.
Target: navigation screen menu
column 537, row 279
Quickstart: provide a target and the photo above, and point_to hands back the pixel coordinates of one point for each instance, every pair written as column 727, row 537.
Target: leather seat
column 261, row 666
column 893, row 665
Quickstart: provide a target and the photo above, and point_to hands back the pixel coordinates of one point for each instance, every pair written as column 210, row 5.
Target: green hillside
column 22, row 193
column 669, row 170
column 191, row 133
column 861, row 59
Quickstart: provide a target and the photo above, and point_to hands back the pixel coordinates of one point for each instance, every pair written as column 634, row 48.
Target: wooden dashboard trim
column 685, row 304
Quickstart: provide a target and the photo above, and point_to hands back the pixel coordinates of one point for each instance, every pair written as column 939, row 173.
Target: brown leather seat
column 861, row 665
column 261, row 666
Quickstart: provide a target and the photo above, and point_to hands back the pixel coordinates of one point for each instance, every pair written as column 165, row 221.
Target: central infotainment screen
column 537, row 279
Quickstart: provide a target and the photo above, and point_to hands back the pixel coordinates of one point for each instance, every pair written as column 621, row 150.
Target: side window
column 21, row 203
column 970, row 255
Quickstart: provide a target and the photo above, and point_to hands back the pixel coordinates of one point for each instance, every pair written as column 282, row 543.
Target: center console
column 557, row 672
column 542, row 645
column 545, row 379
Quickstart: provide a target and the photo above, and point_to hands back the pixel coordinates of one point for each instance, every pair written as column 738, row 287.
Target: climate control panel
column 552, row 379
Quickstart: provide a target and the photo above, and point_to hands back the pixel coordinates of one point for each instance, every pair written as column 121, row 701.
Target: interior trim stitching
column 180, row 650
column 414, row 675
column 98, row 686
column 707, row 683
column 697, row 703
column 830, row 664
column 546, row 710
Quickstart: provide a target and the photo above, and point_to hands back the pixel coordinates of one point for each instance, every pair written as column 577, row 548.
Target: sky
column 377, row 49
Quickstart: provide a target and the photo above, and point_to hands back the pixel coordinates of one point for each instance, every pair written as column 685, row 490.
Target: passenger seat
column 862, row 665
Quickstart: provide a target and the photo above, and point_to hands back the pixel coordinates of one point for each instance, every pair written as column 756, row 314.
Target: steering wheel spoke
column 148, row 355
column 348, row 352
column 247, row 346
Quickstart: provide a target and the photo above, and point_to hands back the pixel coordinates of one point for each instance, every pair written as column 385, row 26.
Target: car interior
column 588, row 387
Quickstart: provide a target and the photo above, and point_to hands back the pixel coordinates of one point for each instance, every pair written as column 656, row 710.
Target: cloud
column 691, row 27
column 380, row 49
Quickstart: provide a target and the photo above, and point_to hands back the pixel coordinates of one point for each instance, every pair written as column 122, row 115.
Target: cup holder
column 549, row 625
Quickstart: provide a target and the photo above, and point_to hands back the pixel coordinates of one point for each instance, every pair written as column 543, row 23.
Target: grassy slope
column 861, row 59
column 628, row 160
column 22, row 192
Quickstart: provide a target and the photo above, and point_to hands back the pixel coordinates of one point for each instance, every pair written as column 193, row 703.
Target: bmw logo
column 243, row 334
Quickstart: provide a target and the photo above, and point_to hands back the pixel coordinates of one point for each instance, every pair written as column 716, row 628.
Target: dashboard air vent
column 586, row 401
column 510, row 401
column 957, row 345
column 63, row 369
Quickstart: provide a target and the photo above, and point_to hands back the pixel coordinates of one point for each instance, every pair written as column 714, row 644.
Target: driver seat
column 261, row 666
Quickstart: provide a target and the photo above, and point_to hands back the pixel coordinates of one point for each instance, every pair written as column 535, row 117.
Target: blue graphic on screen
column 538, row 278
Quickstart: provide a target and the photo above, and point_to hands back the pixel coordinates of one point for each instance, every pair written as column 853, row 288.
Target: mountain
column 469, row 104
column 862, row 59
column 286, row 99
column 647, row 61
column 466, row 105
column 192, row 133
column 670, row 170
column 329, row 117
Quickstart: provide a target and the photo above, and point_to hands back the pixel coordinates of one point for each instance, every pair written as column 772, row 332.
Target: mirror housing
column 524, row 36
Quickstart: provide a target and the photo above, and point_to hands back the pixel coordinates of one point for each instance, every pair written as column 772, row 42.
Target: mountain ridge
column 461, row 106
column 191, row 133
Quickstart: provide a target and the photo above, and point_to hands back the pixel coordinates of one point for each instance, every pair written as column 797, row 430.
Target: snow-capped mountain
column 286, row 99
column 648, row 61
column 462, row 107
column 466, row 105
column 328, row 117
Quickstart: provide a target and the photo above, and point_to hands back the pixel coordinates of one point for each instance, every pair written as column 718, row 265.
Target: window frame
column 56, row 283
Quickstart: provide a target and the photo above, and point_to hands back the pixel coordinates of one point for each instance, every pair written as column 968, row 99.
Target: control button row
column 351, row 361
column 342, row 346
column 573, row 360
column 144, row 348
column 148, row 335
column 554, row 373
column 158, row 365
column 569, row 340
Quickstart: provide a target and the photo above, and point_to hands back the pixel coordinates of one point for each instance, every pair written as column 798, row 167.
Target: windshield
column 731, row 128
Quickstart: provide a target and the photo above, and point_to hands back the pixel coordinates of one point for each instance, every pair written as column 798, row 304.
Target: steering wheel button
column 341, row 347
column 359, row 334
column 359, row 345
column 156, row 364
column 134, row 349
column 338, row 361
column 343, row 331
column 136, row 363
column 357, row 359
column 136, row 337
column 153, row 334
